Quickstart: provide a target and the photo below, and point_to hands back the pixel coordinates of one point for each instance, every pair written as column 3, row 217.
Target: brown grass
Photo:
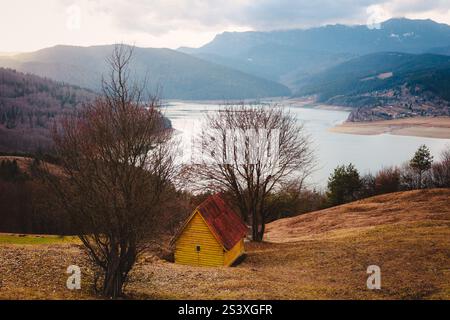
column 321, row 255
column 39, row 271
column 400, row 207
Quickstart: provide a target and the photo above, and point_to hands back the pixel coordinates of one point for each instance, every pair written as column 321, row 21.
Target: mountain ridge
column 180, row 76
column 289, row 55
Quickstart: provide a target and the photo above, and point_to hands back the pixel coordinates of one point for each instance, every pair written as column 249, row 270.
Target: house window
column 198, row 248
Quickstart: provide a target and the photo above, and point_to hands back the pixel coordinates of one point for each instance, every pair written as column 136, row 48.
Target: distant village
column 401, row 102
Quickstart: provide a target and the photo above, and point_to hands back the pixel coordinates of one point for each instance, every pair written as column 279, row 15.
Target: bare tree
column 441, row 170
column 248, row 151
column 116, row 162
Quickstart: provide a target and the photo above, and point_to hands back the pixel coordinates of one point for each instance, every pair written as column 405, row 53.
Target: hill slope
column 178, row 75
column 378, row 71
column 29, row 105
column 320, row 255
column 385, row 85
column 396, row 208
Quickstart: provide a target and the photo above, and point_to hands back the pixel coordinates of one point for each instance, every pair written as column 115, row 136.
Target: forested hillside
column 28, row 107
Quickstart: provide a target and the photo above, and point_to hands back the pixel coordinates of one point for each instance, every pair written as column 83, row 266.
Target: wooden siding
column 197, row 233
column 234, row 253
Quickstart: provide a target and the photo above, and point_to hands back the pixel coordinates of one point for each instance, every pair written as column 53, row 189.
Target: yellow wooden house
column 213, row 235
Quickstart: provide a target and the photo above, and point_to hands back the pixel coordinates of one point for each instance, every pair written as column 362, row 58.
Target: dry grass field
column 320, row 255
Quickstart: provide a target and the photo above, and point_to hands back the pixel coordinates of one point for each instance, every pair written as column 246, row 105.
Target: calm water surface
column 367, row 153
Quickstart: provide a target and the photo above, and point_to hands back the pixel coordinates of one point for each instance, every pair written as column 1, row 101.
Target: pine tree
column 421, row 162
column 343, row 185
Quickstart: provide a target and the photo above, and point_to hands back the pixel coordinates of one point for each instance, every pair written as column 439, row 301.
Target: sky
column 28, row 25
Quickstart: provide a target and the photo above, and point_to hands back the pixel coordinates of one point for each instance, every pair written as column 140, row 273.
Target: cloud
column 417, row 6
column 173, row 23
column 285, row 14
column 161, row 16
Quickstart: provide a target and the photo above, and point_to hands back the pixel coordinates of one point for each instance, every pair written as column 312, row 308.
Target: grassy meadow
column 319, row 255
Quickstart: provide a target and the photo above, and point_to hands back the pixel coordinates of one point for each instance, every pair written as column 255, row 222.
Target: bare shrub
column 387, row 180
column 440, row 171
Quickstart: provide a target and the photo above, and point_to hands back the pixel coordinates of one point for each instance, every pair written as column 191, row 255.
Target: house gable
column 213, row 235
column 197, row 245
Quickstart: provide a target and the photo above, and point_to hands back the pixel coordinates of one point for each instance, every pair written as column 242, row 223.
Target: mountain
column 373, row 72
column 178, row 75
column 29, row 105
column 386, row 85
column 441, row 50
column 291, row 55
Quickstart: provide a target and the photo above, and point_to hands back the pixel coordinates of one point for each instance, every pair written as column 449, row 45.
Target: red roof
column 223, row 221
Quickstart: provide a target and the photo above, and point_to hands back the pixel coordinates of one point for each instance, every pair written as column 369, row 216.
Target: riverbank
column 428, row 127
column 310, row 103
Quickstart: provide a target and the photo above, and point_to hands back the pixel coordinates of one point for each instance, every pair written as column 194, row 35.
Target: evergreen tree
column 421, row 163
column 344, row 185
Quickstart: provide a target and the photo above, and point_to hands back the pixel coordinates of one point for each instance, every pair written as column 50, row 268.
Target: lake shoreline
column 303, row 102
column 426, row 127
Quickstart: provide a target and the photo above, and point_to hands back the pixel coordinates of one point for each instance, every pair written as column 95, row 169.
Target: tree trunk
column 113, row 283
column 262, row 227
column 113, row 280
column 258, row 226
column 254, row 228
column 420, row 180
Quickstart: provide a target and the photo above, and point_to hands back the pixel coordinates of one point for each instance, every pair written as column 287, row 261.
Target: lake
column 367, row 153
